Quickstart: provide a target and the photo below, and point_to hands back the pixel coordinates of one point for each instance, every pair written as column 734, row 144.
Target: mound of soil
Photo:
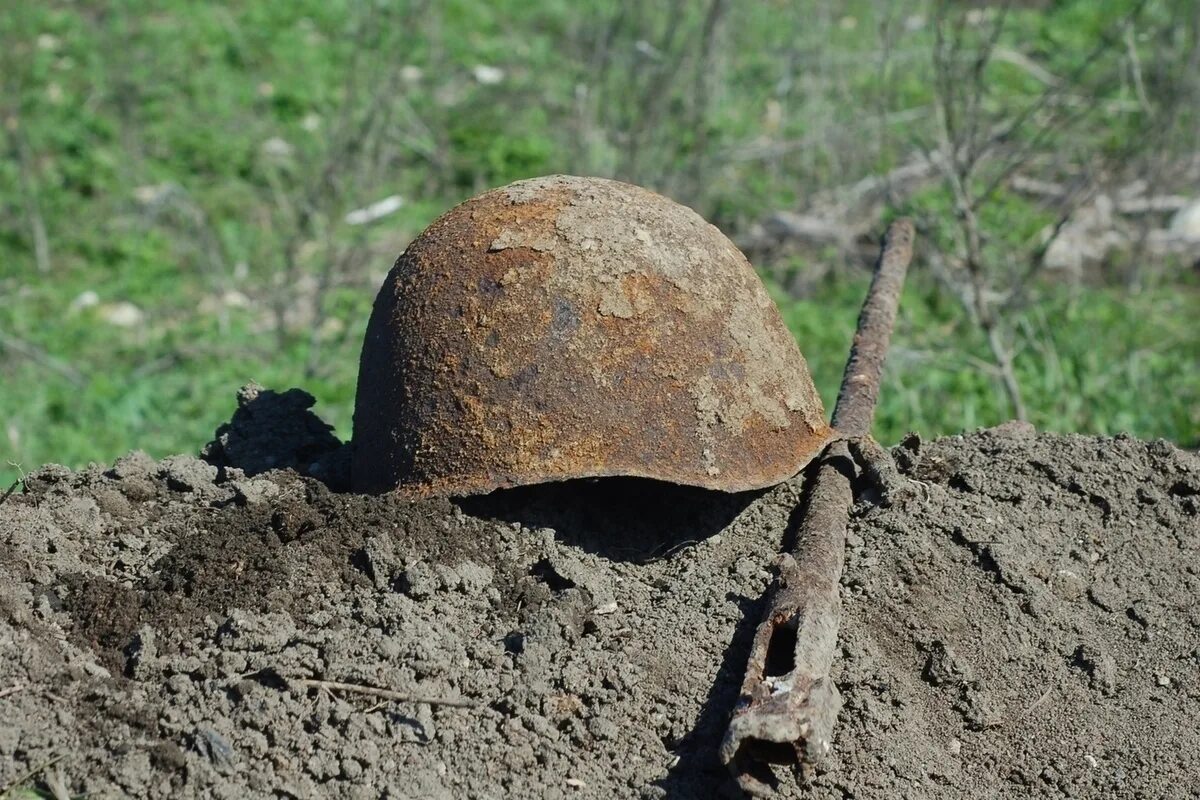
column 1021, row 623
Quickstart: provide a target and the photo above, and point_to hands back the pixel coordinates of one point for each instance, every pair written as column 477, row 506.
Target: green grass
column 102, row 102
column 1094, row 361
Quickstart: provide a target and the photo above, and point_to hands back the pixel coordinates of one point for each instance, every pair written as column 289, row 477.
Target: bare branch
column 383, row 694
column 19, row 149
column 40, row 356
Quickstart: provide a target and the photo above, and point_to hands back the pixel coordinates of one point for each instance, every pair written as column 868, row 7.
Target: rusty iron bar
column 855, row 409
column 788, row 703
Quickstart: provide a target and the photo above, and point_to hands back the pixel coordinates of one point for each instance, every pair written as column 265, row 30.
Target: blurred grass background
column 179, row 182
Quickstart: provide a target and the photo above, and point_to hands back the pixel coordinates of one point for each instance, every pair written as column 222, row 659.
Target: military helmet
column 565, row 327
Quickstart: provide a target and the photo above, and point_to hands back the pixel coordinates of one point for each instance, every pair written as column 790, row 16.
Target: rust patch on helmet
column 567, row 327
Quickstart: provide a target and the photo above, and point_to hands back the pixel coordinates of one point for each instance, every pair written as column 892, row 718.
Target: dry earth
column 1022, row 623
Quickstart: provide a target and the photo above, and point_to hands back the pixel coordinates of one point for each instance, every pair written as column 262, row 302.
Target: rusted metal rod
column 855, row 409
column 788, row 704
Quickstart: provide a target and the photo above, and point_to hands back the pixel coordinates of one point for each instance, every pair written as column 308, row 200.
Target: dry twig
column 20, row 780
column 788, row 704
column 385, row 694
column 39, row 356
column 56, row 782
column 20, row 154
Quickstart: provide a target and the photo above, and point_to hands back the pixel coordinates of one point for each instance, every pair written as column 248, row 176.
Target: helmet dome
column 566, row 327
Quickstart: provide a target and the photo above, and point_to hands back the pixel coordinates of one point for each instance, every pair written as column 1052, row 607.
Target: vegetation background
column 193, row 195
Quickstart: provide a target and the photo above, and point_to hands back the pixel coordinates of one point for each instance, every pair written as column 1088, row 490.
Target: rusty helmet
column 564, row 327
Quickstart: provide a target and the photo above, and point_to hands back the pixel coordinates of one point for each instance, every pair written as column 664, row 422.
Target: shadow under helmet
column 566, row 327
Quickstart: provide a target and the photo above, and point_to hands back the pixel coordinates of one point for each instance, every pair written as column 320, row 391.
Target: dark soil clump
column 1021, row 623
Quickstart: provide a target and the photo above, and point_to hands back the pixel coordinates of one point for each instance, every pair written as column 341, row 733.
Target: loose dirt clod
column 568, row 327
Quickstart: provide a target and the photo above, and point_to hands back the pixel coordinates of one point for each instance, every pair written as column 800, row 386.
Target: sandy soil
column 1023, row 623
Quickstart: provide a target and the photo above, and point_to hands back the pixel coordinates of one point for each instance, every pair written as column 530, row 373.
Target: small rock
column 943, row 667
column 246, row 631
column 254, row 491
column 351, row 768
column 1014, row 429
column 277, row 148
column 1108, row 595
column 153, row 194
column 746, row 567
column 474, row 578
column 292, row 520
column 142, row 653
column 137, row 489
column 368, row 752
column 10, row 739
column 80, row 513
column 112, row 502
column 418, row 580
column 448, row 578
column 215, row 747
column 1099, row 666
column 132, row 769
column 187, row 473
column 1068, row 585
column 122, row 314
column 603, row 728
column 375, row 211
column 488, row 75
column 1186, row 222
column 42, row 479
column 136, row 463
column 86, row 299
